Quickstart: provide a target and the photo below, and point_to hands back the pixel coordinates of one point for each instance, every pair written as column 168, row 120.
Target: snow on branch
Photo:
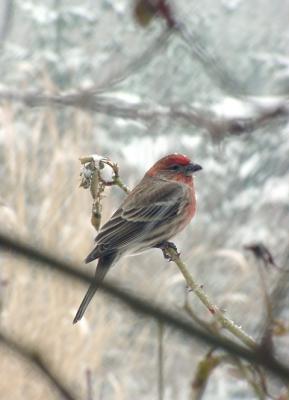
column 230, row 117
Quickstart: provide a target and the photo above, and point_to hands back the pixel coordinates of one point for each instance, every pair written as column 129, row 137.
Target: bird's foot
column 165, row 246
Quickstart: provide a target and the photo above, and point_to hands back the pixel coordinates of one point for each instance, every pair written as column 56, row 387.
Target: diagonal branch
column 37, row 361
column 226, row 322
column 146, row 308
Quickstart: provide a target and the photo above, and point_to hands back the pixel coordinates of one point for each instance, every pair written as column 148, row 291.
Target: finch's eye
column 175, row 167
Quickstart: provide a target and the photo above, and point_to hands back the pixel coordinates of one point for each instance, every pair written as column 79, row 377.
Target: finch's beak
column 191, row 168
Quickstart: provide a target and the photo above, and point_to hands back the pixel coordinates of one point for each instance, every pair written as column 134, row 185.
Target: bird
column 161, row 205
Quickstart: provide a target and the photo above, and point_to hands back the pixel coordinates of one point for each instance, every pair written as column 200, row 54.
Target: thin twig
column 202, row 323
column 187, row 307
column 226, row 322
column 121, row 185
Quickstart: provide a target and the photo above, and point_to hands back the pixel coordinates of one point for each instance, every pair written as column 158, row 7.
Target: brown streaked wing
column 136, row 219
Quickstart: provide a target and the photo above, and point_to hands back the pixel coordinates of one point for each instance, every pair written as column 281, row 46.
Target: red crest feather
column 167, row 161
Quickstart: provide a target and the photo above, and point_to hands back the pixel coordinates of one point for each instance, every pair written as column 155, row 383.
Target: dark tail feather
column 86, row 300
column 101, row 270
column 94, row 254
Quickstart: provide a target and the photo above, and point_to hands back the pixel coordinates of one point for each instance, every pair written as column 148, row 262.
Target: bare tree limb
column 257, row 111
column 147, row 308
column 37, row 361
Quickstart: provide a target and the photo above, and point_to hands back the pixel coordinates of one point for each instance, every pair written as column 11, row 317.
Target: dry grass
column 41, row 202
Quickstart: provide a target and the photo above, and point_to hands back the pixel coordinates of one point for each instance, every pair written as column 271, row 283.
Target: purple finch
column 159, row 207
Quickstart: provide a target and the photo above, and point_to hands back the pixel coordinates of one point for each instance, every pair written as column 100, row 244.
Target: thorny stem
column 120, row 184
column 225, row 322
column 202, row 323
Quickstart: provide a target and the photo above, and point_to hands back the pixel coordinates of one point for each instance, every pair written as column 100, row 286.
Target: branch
column 37, row 361
column 187, row 307
column 257, row 112
column 226, row 322
column 147, row 308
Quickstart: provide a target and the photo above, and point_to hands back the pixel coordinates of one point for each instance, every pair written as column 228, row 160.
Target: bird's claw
column 165, row 246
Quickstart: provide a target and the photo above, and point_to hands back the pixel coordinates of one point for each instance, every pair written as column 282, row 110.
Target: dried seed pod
column 96, row 215
column 85, row 177
column 94, row 183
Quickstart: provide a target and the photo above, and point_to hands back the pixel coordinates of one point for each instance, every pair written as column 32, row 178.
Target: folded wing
column 142, row 218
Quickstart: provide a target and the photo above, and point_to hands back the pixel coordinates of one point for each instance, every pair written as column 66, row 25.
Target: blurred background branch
column 37, row 361
column 145, row 307
column 256, row 112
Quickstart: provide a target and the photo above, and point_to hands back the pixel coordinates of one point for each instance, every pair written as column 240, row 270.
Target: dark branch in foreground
column 37, row 361
column 145, row 307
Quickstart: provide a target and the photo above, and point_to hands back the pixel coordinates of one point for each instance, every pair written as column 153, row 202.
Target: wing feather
column 138, row 215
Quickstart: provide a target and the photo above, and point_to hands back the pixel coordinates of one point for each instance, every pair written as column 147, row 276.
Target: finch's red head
column 174, row 166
